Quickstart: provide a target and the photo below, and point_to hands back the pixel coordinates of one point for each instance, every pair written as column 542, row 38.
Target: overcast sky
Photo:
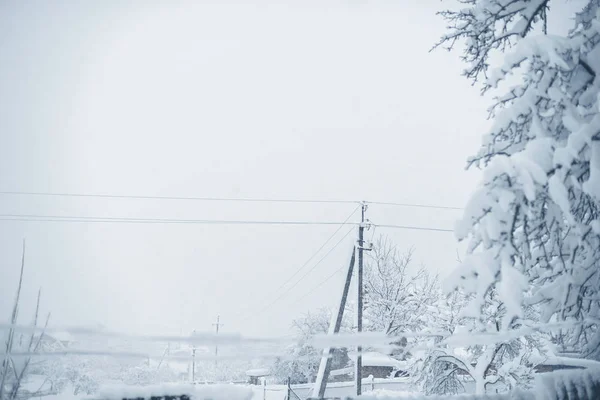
column 308, row 100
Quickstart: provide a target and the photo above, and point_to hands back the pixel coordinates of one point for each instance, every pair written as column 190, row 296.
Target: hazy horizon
column 290, row 101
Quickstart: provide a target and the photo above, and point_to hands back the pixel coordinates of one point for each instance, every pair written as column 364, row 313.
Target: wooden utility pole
column 194, row 358
column 325, row 366
column 217, row 325
column 359, row 308
column 194, row 365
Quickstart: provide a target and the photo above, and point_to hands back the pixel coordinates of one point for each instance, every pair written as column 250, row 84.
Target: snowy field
column 573, row 384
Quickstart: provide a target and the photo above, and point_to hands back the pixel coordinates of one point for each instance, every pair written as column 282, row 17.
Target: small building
column 181, row 363
column 382, row 366
column 256, row 375
column 56, row 341
column 373, row 363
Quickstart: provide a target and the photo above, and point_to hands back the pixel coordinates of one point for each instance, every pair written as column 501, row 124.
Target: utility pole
column 194, row 359
column 334, row 327
column 359, row 308
column 217, row 325
column 194, row 365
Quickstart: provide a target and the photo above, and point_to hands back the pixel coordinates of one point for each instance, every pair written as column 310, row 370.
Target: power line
column 415, row 228
column 384, row 203
column 227, row 199
column 318, row 250
column 320, row 260
column 305, row 275
column 193, row 198
column 343, row 266
column 84, row 219
column 313, row 255
column 305, row 295
column 130, row 220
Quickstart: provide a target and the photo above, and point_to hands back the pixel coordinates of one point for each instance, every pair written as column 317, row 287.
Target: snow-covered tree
column 533, row 223
column 301, row 362
column 396, row 299
column 456, row 354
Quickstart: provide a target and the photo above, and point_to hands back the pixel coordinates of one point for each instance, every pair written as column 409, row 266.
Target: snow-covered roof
column 259, row 372
column 179, row 366
column 60, row 336
column 343, row 371
column 201, row 349
column 375, row 359
column 181, row 353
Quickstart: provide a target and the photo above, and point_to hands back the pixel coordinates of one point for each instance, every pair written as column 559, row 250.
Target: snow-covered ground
column 580, row 384
column 396, row 386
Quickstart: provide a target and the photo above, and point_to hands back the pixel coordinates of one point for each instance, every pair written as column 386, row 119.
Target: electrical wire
column 303, row 276
column 226, row 199
column 86, row 219
column 314, row 254
column 415, row 228
column 386, row 203
column 337, row 271
column 318, row 250
column 193, row 198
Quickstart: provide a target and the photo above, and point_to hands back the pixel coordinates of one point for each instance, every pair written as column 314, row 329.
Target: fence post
column 372, row 378
column 264, row 382
column 289, row 387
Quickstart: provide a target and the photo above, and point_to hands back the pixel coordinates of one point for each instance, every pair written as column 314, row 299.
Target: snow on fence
column 346, row 389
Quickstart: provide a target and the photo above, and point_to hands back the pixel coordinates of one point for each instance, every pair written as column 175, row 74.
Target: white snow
column 259, row 372
column 375, row 359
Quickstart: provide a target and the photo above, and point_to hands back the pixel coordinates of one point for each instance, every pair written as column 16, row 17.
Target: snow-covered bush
column 439, row 374
column 143, row 375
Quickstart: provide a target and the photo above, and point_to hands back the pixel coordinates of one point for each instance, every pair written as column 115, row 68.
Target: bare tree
column 18, row 348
